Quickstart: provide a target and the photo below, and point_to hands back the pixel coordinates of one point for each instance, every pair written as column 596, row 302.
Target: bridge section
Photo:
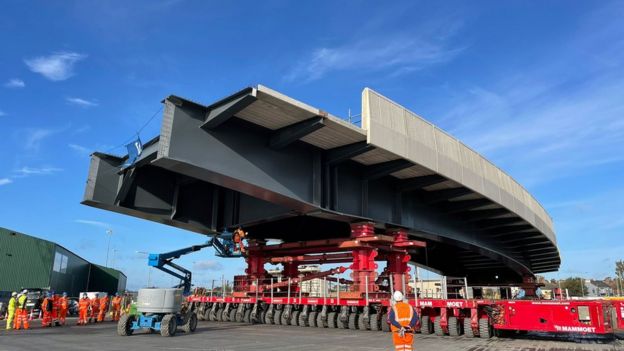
column 283, row 169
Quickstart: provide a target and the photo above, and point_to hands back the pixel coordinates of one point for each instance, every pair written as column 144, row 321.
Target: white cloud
column 5, row 181
column 83, row 151
column 15, row 83
column 56, row 67
column 28, row 171
column 81, row 102
column 93, row 223
column 34, row 137
column 207, row 265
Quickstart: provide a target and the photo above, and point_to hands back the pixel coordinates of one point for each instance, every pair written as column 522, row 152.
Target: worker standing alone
column 83, row 309
column 402, row 320
column 116, row 307
column 11, row 310
column 21, row 316
column 95, row 308
column 103, row 308
column 63, row 306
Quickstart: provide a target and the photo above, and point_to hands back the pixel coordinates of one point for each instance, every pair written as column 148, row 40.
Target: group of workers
column 54, row 309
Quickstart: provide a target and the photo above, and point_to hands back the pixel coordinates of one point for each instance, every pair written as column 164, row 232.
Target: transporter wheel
column 485, row 329
column 219, row 315
column 374, row 322
column 124, row 326
column 294, row 319
column 426, row 326
column 277, row 317
column 331, row 320
column 285, row 318
column 363, row 324
column 468, row 328
column 232, row 317
column 201, row 312
column 312, row 319
column 247, row 316
column 353, row 317
column 260, row 316
column 207, row 315
column 268, row 319
column 454, row 327
column 302, row 320
column 191, row 324
column 385, row 326
column 168, row 325
column 342, row 324
column 437, row 328
column 319, row 321
column 225, row 316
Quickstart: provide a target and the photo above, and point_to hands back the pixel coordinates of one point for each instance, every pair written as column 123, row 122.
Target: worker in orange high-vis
column 402, row 321
column 116, row 307
column 83, row 309
column 63, row 305
column 21, row 315
column 46, row 309
column 103, row 308
column 95, row 308
column 55, row 308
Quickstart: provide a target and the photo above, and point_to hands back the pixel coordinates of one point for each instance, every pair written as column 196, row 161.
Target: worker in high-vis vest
column 402, row 321
column 21, row 315
column 11, row 310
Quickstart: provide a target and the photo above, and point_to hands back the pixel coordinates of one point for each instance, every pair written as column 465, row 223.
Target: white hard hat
column 398, row 296
column 14, row 294
column 24, row 291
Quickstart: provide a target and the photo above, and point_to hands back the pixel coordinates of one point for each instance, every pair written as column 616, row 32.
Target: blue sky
column 536, row 87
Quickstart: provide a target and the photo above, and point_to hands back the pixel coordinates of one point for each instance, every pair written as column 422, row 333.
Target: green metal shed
column 30, row 262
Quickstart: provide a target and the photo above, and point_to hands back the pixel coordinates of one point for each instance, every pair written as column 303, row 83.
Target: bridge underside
column 214, row 168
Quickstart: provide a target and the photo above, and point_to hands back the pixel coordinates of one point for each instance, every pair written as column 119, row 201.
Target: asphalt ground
column 233, row 336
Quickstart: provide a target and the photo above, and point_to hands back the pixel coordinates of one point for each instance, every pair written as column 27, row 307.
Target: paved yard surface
column 232, row 336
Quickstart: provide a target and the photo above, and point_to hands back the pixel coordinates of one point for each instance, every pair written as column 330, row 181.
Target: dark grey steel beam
column 498, row 222
column 526, row 238
column 437, row 196
column 126, row 185
column 418, row 183
column 385, row 168
column 289, row 134
column 508, row 230
column 477, row 215
column 346, row 152
column 461, row 206
column 225, row 109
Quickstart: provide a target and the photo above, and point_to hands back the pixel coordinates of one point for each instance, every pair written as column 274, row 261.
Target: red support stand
column 364, row 268
column 397, row 261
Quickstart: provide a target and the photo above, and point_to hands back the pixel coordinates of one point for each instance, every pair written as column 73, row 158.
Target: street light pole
column 582, row 291
column 109, row 232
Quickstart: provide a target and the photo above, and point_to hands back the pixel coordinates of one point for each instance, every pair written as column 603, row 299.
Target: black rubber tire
column 261, row 316
column 312, row 319
column 277, row 317
column 191, row 324
column 285, row 318
column 437, row 328
column 468, row 332
column 294, row 319
column 320, row 323
column 212, row 317
column 302, row 320
column 232, row 315
column 124, row 326
column 168, row 325
column 425, row 325
column 385, row 326
column 341, row 324
column 218, row 315
column 353, row 317
column 361, row 323
column 374, row 322
column 485, row 330
column 269, row 319
column 454, row 328
column 201, row 315
column 331, row 320
column 225, row 316
column 247, row 316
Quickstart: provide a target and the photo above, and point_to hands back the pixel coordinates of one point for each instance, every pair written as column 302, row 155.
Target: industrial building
column 30, row 262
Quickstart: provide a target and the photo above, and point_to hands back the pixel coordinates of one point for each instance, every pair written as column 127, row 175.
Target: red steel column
column 363, row 268
column 397, row 262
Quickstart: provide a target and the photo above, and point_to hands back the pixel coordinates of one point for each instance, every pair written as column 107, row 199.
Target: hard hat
column 84, row 295
column 64, row 293
column 24, row 291
column 117, row 294
column 398, row 296
column 97, row 295
column 14, row 294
